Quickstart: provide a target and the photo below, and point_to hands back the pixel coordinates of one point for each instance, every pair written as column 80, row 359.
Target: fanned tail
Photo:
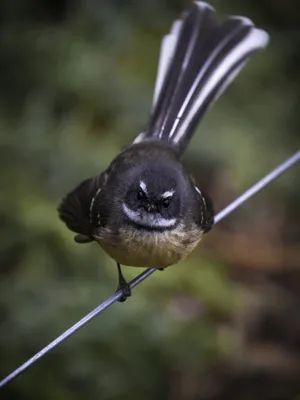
column 199, row 59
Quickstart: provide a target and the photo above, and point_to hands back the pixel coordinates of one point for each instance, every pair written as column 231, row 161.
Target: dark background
column 76, row 81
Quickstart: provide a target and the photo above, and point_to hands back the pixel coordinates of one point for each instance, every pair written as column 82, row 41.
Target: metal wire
column 112, row 299
column 258, row 186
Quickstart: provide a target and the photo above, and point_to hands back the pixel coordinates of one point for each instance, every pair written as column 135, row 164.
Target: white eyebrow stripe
column 143, row 186
column 152, row 221
column 168, row 193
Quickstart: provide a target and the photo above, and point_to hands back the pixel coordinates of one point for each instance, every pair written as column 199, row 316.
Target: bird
column 145, row 209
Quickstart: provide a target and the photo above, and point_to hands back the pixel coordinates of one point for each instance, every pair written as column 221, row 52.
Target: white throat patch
column 148, row 220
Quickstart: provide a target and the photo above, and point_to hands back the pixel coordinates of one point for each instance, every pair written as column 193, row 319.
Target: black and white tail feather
column 199, row 58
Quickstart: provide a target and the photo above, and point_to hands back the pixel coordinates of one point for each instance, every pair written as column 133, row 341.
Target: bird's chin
column 149, row 220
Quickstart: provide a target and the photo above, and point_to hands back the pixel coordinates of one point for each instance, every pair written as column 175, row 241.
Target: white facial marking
column 168, row 193
column 149, row 220
column 143, row 186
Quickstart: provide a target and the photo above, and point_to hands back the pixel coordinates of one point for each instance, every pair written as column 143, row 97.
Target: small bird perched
column 145, row 209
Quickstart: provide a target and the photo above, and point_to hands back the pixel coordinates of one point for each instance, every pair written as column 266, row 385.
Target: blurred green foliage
column 76, row 84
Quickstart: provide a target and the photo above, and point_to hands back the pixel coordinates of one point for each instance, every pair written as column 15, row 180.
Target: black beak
column 150, row 207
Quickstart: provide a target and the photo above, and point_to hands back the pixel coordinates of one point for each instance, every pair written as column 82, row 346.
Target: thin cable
column 112, row 299
column 258, row 186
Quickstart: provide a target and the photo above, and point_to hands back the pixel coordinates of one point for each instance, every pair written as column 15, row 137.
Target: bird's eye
column 140, row 195
column 166, row 203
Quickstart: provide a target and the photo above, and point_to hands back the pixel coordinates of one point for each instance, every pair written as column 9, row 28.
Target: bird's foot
column 126, row 291
column 123, row 286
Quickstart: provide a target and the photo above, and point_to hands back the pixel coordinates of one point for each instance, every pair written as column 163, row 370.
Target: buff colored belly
column 144, row 249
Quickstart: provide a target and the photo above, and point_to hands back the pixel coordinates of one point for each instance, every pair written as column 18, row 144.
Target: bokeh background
column 76, row 85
